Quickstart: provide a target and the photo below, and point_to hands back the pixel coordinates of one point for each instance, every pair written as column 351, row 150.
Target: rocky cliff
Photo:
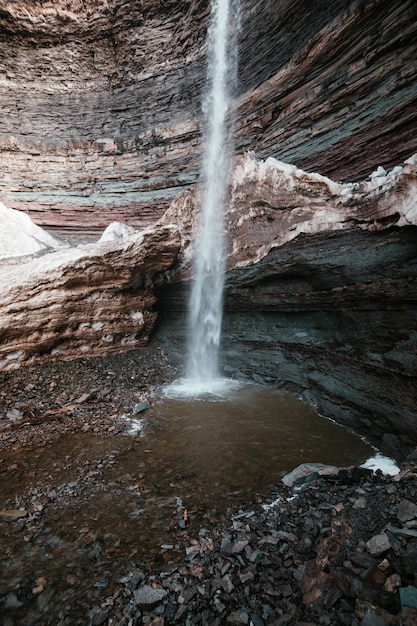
column 83, row 301
column 101, row 121
column 101, row 101
column 320, row 296
column 321, row 292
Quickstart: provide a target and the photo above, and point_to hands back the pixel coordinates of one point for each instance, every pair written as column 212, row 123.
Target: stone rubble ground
column 99, row 395
column 339, row 551
column 336, row 549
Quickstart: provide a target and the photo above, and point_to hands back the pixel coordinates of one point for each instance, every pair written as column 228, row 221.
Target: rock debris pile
column 340, row 551
column 79, row 537
column 40, row 404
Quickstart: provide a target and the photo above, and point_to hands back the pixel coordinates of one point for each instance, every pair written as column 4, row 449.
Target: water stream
column 205, row 311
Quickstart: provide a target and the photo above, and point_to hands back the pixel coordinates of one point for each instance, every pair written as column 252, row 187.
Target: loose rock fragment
column 149, row 596
column 407, row 511
column 378, row 544
column 408, row 596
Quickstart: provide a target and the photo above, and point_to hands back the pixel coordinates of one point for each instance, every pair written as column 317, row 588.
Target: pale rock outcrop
column 19, row 236
column 85, row 300
column 271, row 203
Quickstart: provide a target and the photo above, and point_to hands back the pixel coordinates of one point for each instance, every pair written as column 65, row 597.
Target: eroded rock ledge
column 83, row 301
column 321, row 291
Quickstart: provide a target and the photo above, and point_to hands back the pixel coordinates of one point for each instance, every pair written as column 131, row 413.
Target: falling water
column 206, row 302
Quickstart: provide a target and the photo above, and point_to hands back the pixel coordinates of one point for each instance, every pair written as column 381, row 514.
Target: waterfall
column 206, row 301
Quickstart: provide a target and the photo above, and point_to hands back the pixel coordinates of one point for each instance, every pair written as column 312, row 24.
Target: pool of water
column 243, row 441
column 97, row 504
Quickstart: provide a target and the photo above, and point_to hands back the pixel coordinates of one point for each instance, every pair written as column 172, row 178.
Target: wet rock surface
column 302, row 560
column 40, row 404
column 338, row 549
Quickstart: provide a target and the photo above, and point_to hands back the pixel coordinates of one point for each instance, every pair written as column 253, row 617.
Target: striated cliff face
column 101, row 121
column 321, row 292
column 333, row 86
column 101, row 101
column 83, row 301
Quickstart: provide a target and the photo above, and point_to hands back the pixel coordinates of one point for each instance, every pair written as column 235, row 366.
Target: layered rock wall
column 101, row 101
column 331, row 86
column 83, row 301
column 100, row 106
column 339, row 329
column 321, row 293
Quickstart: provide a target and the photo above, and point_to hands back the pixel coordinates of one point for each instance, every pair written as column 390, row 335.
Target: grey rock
column 226, row 546
column 14, row 415
column 410, row 559
column 98, row 616
column 149, row 596
column 360, row 503
column 255, row 620
column 227, row 584
column 378, row 544
column 140, row 408
column 303, row 546
column 238, row 617
column 408, row 596
column 373, row 619
column 218, row 605
column 407, row 511
column 12, row 602
column 239, row 546
column 304, row 471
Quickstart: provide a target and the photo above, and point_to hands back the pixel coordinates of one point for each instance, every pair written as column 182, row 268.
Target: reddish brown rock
column 101, row 101
column 94, row 299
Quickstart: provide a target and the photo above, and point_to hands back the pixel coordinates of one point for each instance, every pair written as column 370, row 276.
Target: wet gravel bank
column 40, row 404
column 341, row 549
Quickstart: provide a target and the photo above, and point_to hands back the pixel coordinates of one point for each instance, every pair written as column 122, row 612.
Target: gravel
column 339, row 550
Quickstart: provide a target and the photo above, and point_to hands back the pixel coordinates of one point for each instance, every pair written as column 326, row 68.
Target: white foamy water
column 195, row 388
column 383, row 463
column 206, row 302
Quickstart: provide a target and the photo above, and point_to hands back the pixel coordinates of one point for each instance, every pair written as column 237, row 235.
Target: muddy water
column 95, row 507
column 245, row 442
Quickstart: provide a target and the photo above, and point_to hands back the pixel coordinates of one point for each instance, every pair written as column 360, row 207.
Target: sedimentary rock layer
column 94, row 299
column 338, row 328
column 101, row 101
column 100, row 105
column 321, row 293
column 334, row 84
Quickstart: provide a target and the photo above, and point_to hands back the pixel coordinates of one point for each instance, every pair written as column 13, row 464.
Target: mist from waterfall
column 206, row 301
